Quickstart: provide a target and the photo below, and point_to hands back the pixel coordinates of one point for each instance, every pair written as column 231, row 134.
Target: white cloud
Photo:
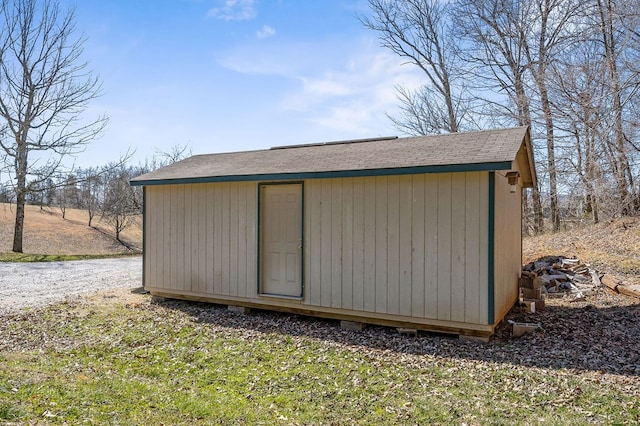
column 265, row 32
column 332, row 85
column 353, row 97
column 234, row 10
column 345, row 91
column 279, row 59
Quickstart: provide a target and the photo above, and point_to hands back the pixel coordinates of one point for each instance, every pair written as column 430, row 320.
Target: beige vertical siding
column 403, row 245
column 508, row 245
column 201, row 238
column 406, row 246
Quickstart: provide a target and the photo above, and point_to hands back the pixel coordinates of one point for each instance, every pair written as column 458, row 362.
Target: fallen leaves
column 584, row 362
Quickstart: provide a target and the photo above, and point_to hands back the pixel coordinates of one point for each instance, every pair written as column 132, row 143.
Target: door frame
column 260, row 293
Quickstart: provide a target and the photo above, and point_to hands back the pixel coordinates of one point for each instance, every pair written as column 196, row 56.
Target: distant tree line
column 569, row 69
column 103, row 192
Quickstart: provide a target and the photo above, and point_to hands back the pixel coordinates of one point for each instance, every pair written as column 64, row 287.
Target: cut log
column 630, row 290
column 537, row 283
column 611, row 282
column 530, row 293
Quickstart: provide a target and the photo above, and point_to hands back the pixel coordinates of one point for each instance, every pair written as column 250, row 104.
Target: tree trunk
column 21, row 195
column 551, row 159
column 19, row 224
column 622, row 168
column 623, row 162
column 524, row 119
column 448, row 97
column 538, row 223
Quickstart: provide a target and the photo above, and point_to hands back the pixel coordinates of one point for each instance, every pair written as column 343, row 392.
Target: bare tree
column 121, row 202
column 418, row 30
column 91, row 191
column 44, row 88
column 6, row 194
column 68, row 194
column 594, row 90
column 579, row 102
column 495, row 35
column 164, row 158
column 543, row 44
column 617, row 24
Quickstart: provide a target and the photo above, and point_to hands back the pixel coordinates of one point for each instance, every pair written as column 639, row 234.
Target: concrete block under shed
column 522, row 328
column 239, row 309
column 409, row 332
column 474, row 339
column 352, row 325
column 539, row 303
column 528, row 306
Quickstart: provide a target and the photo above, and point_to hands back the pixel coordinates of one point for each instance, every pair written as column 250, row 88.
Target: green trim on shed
column 491, row 250
column 449, row 168
column 144, row 235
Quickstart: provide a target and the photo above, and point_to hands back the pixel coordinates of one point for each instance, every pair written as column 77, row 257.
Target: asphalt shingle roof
column 472, row 148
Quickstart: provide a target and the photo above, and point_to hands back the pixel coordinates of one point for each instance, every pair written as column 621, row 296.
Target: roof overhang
column 487, row 150
column 524, row 161
column 448, row 168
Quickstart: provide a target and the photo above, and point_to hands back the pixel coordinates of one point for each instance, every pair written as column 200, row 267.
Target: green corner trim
column 491, row 249
column 259, row 240
column 302, row 254
column 144, row 235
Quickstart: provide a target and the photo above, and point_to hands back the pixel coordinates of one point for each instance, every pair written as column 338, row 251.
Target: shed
column 420, row 232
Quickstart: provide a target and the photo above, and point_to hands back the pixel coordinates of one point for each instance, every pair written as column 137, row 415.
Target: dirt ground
column 46, row 232
column 611, row 247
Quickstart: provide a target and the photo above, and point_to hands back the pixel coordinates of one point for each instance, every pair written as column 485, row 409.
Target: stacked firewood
column 559, row 276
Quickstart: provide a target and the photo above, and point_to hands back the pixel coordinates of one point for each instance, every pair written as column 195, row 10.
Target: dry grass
column 46, row 232
column 612, row 247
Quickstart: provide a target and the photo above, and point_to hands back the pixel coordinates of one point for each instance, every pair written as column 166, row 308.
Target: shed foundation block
column 522, row 328
column 243, row 310
column 352, row 325
column 409, row 332
column 474, row 339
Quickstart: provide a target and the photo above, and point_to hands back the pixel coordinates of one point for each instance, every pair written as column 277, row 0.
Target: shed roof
column 473, row 151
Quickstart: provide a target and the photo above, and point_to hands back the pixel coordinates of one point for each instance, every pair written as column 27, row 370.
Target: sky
column 234, row 75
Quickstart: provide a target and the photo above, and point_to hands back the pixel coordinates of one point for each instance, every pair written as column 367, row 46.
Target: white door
column 281, row 239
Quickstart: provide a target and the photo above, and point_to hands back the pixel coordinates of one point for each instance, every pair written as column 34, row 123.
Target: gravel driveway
column 39, row 283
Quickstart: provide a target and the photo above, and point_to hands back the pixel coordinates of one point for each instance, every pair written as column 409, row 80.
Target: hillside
column 612, row 247
column 46, row 232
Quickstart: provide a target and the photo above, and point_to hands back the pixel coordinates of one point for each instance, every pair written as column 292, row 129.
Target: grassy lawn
column 180, row 363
